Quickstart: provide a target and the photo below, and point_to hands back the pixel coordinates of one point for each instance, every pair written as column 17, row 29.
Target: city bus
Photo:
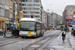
column 30, row 27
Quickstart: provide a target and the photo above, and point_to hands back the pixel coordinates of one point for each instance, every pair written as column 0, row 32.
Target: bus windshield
column 27, row 26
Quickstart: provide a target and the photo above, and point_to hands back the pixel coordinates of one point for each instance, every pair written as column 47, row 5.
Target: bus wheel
column 22, row 36
column 42, row 34
column 36, row 35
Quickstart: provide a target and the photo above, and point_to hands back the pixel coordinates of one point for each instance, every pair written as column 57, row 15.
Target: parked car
column 1, row 32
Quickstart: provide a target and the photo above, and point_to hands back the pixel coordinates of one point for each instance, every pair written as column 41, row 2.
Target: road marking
column 35, row 46
column 1, row 44
column 51, row 49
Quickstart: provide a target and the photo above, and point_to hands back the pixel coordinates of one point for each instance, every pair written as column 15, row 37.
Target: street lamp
column 49, row 8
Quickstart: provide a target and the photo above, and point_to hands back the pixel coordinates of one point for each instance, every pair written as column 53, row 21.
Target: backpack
column 4, row 30
column 63, row 34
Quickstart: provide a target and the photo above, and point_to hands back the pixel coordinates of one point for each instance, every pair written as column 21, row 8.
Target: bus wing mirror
column 35, row 30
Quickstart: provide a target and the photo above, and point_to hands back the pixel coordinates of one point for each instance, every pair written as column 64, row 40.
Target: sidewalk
column 57, row 43
column 8, row 32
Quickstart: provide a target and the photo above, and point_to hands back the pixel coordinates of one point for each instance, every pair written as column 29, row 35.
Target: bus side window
column 38, row 26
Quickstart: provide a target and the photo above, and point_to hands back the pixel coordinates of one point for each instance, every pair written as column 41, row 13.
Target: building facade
column 67, row 14
column 55, row 19
column 2, row 8
column 21, row 15
column 44, row 17
column 10, row 10
column 48, row 19
column 30, row 7
column 4, row 13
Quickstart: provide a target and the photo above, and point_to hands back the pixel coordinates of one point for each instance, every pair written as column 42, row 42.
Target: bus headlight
column 33, row 33
column 20, row 33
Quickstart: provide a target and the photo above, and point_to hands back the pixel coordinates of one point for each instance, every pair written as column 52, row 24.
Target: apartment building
column 67, row 14
column 10, row 10
column 32, row 7
column 4, row 13
column 21, row 15
column 2, row 8
column 55, row 19
column 44, row 17
column 48, row 19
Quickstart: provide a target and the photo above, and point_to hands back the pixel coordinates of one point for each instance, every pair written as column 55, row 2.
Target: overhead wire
column 46, row 4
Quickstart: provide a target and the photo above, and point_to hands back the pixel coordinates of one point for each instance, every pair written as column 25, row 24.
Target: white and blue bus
column 30, row 27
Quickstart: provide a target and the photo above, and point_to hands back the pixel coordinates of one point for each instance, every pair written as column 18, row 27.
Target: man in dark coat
column 73, row 32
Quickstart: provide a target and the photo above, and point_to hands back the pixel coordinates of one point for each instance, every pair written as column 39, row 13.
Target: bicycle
column 63, row 38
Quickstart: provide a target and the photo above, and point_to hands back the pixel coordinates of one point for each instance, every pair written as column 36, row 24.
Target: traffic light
column 32, row 16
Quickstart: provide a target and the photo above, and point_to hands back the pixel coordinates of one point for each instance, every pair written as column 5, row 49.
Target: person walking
column 65, row 28
column 63, row 35
column 73, row 32
column 4, row 30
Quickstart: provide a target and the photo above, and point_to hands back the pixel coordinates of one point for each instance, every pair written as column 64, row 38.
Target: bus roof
column 30, row 19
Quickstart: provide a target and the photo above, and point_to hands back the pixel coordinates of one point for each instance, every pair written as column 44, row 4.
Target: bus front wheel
column 36, row 35
column 22, row 36
column 42, row 34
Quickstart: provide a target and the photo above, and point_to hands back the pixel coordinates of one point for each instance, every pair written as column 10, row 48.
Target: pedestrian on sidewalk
column 65, row 28
column 63, row 35
column 73, row 32
column 4, row 30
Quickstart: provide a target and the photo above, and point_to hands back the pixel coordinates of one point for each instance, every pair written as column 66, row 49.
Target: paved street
column 57, row 43
column 19, row 43
column 51, row 40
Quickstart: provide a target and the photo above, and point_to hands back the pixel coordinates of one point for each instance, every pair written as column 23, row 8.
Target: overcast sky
column 56, row 6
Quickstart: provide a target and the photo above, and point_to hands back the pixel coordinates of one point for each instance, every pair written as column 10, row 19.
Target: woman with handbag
column 63, row 35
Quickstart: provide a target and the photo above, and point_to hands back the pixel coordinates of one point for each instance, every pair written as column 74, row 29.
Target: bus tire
column 42, row 34
column 22, row 36
column 36, row 35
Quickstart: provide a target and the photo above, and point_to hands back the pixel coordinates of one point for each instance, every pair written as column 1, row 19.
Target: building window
column 6, row 13
column 67, row 16
column 67, row 12
column 71, row 12
column 11, row 6
column 26, row 15
column 31, row 9
column 74, row 12
column 10, row 15
column 23, row 0
column 36, row 16
column 70, row 16
column 30, row 0
column 37, row 0
column 22, row 4
column 30, row 4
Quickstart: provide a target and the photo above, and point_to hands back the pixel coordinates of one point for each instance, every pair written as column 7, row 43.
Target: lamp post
column 51, row 13
column 49, row 8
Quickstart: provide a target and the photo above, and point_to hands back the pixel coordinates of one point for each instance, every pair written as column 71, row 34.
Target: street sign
column 73, row 19
column 74, row 27
column 73, row 23
column 12, row 25
column 73, row 16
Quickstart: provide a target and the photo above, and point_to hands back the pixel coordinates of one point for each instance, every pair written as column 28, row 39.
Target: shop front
column 6, row 24
column 2, row 25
